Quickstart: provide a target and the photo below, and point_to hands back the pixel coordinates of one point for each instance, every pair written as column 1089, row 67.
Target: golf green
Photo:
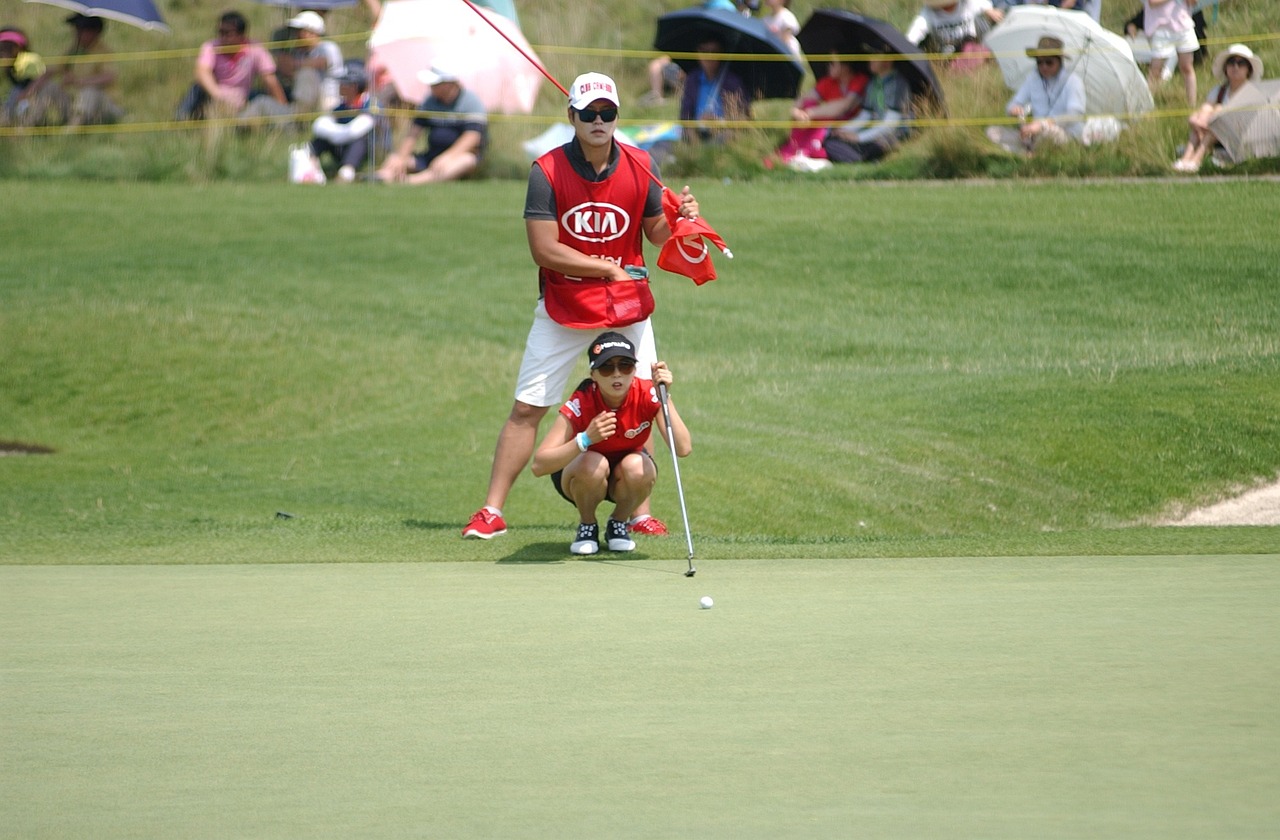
column 976, row 697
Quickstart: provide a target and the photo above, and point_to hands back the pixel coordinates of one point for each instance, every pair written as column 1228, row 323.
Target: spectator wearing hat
column 87, row 81
column 346, row 134
column 1050, row 103
column 317, row 67
column 595, row 449
column 25, row 104
column 226, row 69
column 456, row 127
column 1234, row 67
column 584, row 285
column 947, row 25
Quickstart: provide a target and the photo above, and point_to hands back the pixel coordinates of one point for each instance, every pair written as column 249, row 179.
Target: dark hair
column 235, row 20
column 87, row 22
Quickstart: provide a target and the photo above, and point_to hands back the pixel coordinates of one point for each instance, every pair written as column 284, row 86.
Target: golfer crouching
column 594, row 450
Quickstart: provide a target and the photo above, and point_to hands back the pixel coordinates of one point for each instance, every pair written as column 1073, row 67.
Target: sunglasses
column 587, row 115
column 622, row 366
column 1237, row 62
column 1053, row 59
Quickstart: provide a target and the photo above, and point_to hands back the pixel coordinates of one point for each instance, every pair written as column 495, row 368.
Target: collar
column 578, row 160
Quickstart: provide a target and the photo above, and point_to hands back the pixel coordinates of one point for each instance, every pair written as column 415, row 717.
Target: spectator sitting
column 26, row 104
column 347, row 132
column 948, row 25
column 456, row 127
column 85, row 84
column 226, row 69
column 712, row 92
column 1045, row 98
column 665, row 76
column 315, row 80
column 837, row 97
column 1233, row 68
column 881, row 124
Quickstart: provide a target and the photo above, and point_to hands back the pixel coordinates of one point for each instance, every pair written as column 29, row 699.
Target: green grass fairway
column 1066, row 697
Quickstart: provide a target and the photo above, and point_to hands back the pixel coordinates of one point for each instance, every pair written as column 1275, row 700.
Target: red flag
column 685, row 252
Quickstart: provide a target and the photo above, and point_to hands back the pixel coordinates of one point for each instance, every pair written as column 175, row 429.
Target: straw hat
column 1048, row 46
column 1220, row 62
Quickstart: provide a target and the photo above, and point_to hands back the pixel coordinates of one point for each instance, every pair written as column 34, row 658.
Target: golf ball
column 706, row 603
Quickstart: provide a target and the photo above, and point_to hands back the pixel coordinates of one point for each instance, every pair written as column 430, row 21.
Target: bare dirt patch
column 1259, row 506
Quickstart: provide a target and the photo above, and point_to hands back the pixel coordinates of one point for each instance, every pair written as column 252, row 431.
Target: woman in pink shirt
column 1172, row 32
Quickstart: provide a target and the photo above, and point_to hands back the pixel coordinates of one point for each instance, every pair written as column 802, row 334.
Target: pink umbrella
column 411, row 35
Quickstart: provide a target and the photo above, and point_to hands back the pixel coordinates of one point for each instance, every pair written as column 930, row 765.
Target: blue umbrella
column 775, row 74
column 140, row 13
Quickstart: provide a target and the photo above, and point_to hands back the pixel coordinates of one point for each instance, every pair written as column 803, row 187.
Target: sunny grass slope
column 881, row 371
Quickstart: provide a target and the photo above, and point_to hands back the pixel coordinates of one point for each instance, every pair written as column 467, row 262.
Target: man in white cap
column 315, row 81
column 454, row 120
column 590, row 204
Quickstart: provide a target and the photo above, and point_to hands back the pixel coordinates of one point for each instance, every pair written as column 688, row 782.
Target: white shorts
column 1166, row 43
column 553, row 350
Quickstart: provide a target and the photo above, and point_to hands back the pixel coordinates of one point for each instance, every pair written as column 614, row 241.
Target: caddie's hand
column 616, row 273
column 662, row 375
column 603, row 426
column 688, row 204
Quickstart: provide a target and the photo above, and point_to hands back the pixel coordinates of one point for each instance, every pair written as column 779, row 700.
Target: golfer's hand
column 661, row 375
column 603, row 426
column 688, row 204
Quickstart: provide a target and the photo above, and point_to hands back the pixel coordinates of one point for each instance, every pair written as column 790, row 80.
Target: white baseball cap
column 589, row 87
column 438, row 75
column 310, row 21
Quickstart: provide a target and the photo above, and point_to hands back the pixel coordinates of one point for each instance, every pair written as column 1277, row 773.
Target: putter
column 675, row 463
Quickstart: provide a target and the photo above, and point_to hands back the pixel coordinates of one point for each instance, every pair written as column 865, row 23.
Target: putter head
column 691, row 573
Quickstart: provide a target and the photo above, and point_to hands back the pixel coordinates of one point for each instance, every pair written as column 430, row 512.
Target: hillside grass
column 967, row 369
column 157, row 68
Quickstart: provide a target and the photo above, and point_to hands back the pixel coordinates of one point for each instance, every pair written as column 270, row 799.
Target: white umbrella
column 1249, row 125
column 412, row 34
column 1113, row 82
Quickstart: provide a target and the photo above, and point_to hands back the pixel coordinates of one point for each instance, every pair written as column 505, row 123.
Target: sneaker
column 588, row 539
column 648, row 525
column 617, row 535
column 804, row 163
column 484, row 525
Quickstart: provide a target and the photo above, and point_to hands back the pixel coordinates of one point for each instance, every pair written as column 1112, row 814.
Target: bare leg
column 446, row 167
column 634, row 478
column 1187, row 67
column 515, row 447
column 587, row 483
column 1154, row 72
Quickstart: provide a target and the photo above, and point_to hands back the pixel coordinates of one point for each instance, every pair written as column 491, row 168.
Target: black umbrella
column 849, row 33
column 764, row 78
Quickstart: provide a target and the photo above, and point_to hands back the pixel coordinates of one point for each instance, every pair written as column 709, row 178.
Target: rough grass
column 883, row 369
column 156, row 69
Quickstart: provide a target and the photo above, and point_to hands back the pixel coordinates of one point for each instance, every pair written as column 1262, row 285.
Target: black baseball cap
column 608, row 346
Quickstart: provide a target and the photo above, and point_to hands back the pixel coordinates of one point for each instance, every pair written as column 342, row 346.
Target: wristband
column 584, row 441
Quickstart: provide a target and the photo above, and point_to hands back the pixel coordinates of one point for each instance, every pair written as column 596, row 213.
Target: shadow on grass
column 545, row 552
column 423, row 525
